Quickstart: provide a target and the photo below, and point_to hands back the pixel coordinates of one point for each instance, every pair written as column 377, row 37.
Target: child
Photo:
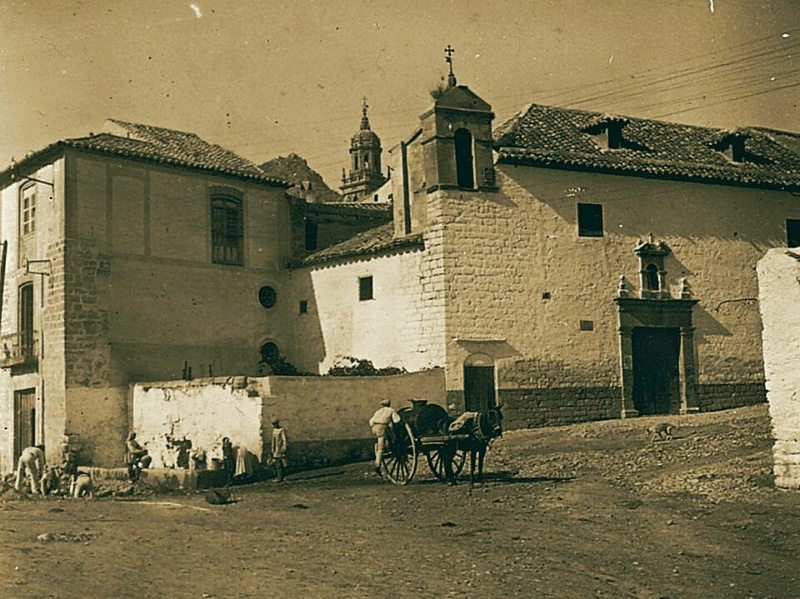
column 278, row 449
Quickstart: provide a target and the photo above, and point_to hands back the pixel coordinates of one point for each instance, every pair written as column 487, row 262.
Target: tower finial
column 451, row 78
column 364, row 117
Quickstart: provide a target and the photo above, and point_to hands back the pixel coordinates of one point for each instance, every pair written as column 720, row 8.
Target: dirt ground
column 591, row 510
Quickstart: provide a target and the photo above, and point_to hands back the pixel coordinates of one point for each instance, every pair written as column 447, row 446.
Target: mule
column 482, row 428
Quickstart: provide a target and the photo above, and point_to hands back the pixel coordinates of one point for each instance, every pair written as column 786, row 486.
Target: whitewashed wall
column 779, row 298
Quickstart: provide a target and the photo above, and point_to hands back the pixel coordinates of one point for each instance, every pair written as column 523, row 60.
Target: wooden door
column 656, row 378
column 24, row 420
column 479, row 393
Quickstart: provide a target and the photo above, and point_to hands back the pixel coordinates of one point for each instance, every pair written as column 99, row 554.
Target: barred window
column 227, row 231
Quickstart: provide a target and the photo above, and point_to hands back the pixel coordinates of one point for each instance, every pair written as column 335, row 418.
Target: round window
column 267, row 296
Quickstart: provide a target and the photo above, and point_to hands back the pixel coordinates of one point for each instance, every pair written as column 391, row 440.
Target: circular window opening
column 267, row 296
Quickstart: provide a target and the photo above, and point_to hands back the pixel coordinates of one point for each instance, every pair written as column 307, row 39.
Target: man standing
column 31, row 462
column 278, row 449
column 384, row 417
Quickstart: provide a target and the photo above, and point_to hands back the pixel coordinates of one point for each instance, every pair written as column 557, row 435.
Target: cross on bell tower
column 451, row 78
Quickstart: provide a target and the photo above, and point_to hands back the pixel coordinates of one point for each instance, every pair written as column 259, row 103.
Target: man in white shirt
column 31, row 462
column 384, row 417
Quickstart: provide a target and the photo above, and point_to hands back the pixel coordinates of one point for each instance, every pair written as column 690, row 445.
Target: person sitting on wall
column 136, row 457
column 385, row 417
column 31, row 463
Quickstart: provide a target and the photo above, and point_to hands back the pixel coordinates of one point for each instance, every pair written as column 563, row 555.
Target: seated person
column 136, row 456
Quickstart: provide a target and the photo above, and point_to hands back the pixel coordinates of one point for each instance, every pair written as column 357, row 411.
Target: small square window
column 365, row 288
column 590, row 220
column 587, row 325
column 303, row 309
column 792, row 232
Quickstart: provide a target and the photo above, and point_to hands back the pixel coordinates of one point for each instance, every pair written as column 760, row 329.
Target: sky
column 266, row 78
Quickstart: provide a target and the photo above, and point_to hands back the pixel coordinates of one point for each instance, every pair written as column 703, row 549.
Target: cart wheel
column 437, row 465
column 400, row 455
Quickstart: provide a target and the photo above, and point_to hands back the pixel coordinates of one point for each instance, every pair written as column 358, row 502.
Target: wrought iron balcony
column 19, row 349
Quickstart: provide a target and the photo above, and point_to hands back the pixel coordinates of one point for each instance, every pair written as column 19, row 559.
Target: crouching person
column 82, row 486
column 31, row 463
column 51, row 480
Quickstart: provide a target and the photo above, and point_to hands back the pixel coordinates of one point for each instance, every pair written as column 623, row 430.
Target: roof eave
column 396, row 246
column 46, row 154
column 714, row 175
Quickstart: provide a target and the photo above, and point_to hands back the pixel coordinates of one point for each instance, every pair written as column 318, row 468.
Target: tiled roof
column 558, row 137
column 374, row 241
column 163, row 146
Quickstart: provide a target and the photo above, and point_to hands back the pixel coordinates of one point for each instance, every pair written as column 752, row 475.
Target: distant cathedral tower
column 365, row 163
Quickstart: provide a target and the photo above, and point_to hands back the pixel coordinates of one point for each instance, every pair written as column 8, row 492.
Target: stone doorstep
column 162, row 479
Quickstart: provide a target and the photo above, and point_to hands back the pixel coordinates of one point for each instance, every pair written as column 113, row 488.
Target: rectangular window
column 227, row 231
column 311, row 236
column 792, row 232
column 27, row 210
column 590, row 220
column 365, row 288
column 26, row 333
column 303, row 306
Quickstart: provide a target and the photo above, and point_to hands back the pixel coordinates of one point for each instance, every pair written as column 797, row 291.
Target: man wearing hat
column 384, row 417
column 278, row 449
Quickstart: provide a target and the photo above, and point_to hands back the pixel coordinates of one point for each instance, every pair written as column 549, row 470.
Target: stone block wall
column 779, row 301
column 524, row 288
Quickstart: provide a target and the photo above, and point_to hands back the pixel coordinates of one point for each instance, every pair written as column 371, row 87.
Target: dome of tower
column 365, row 137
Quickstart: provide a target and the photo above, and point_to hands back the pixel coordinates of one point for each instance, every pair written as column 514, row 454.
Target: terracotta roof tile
column 366, row 244
column 165, row 146
column 549, row 136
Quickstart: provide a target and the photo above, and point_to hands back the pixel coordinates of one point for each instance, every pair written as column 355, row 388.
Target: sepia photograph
column 366, row 298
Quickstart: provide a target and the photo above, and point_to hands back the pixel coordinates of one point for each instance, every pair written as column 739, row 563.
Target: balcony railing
column 19, row 349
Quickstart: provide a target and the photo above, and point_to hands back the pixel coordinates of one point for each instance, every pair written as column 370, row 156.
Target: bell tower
column 457, row 138
column 365, row 174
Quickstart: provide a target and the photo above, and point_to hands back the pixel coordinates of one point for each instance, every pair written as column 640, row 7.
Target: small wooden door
column 24, row 420
column 479, row 393
column 656, row 378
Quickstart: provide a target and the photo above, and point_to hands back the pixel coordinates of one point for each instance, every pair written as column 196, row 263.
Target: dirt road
column 592, row 510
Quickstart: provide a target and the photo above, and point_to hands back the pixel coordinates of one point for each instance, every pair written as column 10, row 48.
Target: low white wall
column 779, row 300
column 325, row 417
column 202, row 411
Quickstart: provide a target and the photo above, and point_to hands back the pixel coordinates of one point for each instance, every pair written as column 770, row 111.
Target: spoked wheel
column 400, row 455
column 436, row 462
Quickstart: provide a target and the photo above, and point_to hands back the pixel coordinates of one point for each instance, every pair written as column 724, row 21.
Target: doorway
column 656, row 375
column 24, row 420
column 479, row 393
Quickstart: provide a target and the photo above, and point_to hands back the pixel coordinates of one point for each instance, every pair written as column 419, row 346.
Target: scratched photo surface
column 411, row 299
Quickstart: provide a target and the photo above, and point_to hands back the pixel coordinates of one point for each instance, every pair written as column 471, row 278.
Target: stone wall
column 45, row 375
column 519, row 281
column 779, row 300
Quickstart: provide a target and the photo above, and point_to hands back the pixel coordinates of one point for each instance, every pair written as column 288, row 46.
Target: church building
column 569, row 265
